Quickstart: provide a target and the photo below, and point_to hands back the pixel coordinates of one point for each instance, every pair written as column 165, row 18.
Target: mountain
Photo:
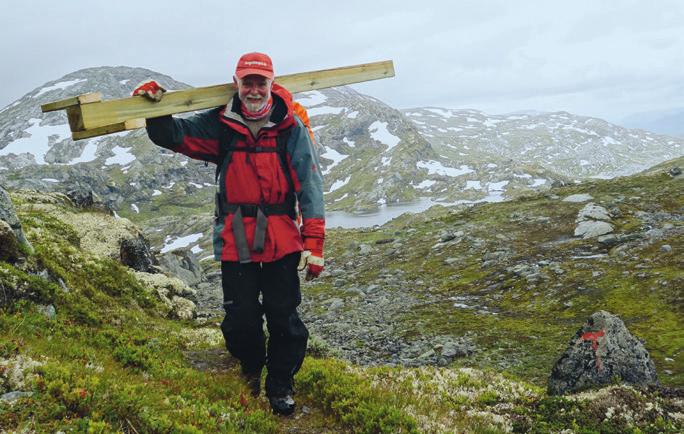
column 670, row 122
column 577, row 147
column 371, row 155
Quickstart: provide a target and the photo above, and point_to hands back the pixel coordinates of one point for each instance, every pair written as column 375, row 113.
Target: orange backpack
column 301, row 113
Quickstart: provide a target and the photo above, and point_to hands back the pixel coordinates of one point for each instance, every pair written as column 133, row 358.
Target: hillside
column 371, row 154
column 508, row 283
column 570, row 145
column 87, row 345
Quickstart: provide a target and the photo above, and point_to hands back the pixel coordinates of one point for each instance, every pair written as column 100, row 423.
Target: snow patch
column 353, row 114
column 135, row 208
column 60, row 85
column 435, row 167
column 156, row 193
column 339, row 184
column 380, row 133
column 325, row 110
column 497, row 186
column 442, row 112
column 344, row 196
column 89, row 152
column 336, row 157
column 38, row 142
column 473, row 185
column 351, row 143
column 425, row 184
column 310, row 99
column 171, row 243
column 51, row 180
column 121, row 156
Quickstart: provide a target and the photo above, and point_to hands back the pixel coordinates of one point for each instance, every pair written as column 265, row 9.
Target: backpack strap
column 226, row 146
column 262, row 211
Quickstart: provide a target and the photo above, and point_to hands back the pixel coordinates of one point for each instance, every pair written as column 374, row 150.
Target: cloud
column 597, row 57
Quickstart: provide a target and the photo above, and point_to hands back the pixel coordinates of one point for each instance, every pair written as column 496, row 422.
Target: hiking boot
column 284, row 405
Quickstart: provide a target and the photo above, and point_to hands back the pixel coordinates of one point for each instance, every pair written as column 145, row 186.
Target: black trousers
column 242, row 327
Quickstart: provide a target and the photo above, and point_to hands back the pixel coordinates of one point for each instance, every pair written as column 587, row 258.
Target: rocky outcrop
column 601, row 352
column 593, row 221
column 9, row 216
column 135, row 253
column 173, row 293
column 183, row 264
column 9, row 247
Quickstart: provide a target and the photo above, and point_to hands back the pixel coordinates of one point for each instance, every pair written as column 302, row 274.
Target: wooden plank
column 86, row 98
column 119, row 110
column 325, row 78
column 131, row 124
column 74, row 118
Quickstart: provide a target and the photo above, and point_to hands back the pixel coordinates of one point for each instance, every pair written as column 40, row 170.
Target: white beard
column 254, row 107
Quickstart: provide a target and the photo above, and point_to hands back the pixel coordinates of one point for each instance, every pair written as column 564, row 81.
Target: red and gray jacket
column 262, row 181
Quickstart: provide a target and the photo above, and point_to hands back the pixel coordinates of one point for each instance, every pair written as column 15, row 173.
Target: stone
column 666, row 248
column 49, row 311
column 9, row 246
column 365, row 249
column 182, row 308
column 84, row 198
column 136, row 253
column 13, row 396
column 460, row 348
column 593, row 212
column 609, row 240
column 578, row 198
column 183, row 264
column 335, row 304
column 675, row 171
column 592, row 229
column 601, row 352
column 8, row 215
column 172, row 292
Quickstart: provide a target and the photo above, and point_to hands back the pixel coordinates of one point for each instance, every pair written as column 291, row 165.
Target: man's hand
column 312, row 258
column 150, row 90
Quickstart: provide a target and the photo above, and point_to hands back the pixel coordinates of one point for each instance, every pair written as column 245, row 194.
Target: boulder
column 183, row 264
column 592, row 229
column 8, row 215
column 594, row 212
column 84, row 198
column 577, row 198
column 176, row 297
column 9, row 246
column 602, row 352
column 135, row 253
column 592, row 221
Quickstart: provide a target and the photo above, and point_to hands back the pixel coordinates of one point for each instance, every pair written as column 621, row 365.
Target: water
column 386, row 213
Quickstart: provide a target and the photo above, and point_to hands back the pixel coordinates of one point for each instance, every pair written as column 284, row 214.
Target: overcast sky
column 591, row 57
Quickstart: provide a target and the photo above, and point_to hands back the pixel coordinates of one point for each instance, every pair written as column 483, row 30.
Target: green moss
column 358, row 406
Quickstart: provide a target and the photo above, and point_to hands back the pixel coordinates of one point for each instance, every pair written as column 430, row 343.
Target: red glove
column 149, row 89
column 312, row 257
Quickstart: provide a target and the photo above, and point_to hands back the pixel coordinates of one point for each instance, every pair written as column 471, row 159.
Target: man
column 266, row 170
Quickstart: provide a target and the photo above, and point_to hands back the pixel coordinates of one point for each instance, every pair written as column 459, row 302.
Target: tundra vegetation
column 85, row 346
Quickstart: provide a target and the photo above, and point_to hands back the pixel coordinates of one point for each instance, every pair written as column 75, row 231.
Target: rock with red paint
column 602, row 352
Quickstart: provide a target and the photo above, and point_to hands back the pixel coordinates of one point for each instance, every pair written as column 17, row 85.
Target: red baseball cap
column 254, row 63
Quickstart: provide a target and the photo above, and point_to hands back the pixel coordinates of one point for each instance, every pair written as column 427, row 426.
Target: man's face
column 254, row 91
